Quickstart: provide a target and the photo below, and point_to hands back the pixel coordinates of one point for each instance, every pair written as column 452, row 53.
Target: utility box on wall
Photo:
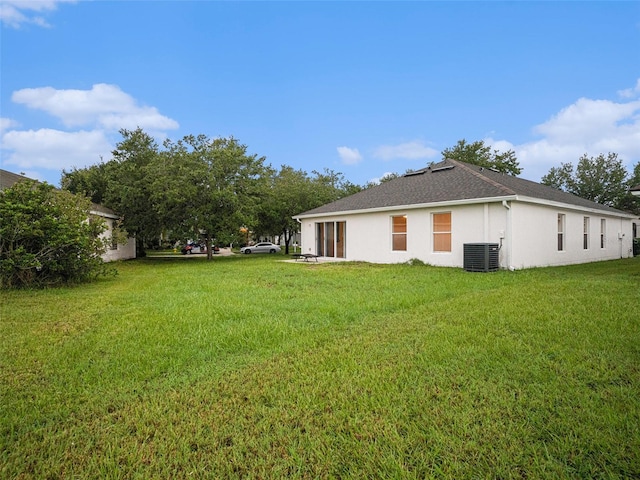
column 481, row 257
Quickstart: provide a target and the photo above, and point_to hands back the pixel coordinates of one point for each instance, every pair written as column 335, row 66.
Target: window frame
column 562, row 227
column 438, row 234
column 603, row 233
column 399, row 233
column 586, row 223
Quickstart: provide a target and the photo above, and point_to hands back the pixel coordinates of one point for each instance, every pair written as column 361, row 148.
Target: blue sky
column 363, row 88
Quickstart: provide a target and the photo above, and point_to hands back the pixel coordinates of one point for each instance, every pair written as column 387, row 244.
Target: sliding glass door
column 331, row 239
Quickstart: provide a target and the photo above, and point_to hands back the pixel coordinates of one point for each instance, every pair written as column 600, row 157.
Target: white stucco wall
column 526, row 233
column 123, row 251
column 535, row 236
column 368, row 235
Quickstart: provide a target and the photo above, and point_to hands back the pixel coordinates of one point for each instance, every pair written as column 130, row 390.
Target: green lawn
column 250, row 367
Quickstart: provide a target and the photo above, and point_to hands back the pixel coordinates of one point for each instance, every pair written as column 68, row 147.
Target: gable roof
column 455, row 182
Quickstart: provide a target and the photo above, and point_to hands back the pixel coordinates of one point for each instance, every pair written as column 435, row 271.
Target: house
column 115, row 250
column 635, row 191
column 430, row 214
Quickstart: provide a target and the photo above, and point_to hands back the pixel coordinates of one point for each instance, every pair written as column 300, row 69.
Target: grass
column 248, row 367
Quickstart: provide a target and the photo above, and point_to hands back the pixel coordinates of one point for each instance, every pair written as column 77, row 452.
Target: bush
column 416, row 262
column 47, row 237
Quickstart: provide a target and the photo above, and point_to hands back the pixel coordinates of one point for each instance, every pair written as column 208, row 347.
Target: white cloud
column 631, row 92
column 415, row 150
column 6, row 124
column 103, row 110
column 53, row 149
column 349, row 156
column 15, row 13
column 376, row 180
column 104, row 106
column 587, row 127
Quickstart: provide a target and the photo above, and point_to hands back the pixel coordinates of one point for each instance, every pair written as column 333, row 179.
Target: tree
column 600, row 179
column 634, row 179
column 629, row 202
column 293, row 191
column 207, row 187
column 289, row 192
column 48, row 237
column 129, row 186
column 329, row 186
column 123, row 184
column 90, row 182
column 477, row 153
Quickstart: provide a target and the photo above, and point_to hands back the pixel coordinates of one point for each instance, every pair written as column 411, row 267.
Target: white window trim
column 586, row 237
column 406, row 234
column 433, row 233
column 561, row 229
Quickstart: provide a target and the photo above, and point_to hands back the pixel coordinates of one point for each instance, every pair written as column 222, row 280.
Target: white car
column 262, row 247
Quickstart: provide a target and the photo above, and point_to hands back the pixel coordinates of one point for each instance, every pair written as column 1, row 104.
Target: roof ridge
column 468, row 168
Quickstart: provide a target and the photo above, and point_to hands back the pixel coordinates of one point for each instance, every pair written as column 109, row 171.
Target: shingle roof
column 450, row 181
column 8, row 179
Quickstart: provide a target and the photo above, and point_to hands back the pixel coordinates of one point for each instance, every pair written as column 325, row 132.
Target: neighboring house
column 636, row 226
column 115, row 251
column 430, row 215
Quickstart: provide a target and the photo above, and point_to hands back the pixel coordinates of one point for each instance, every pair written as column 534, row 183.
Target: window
column 561, row 238
column 399, row 233
column 585, row 233
column 442, row 232
column 603, row 231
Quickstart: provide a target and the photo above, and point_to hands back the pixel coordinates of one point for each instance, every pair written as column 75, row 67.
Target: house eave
column 104, row 214
column 470, row 201
column 415, row 206
column 569, row 206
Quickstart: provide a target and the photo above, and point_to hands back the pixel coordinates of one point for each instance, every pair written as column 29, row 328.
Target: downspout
column 507, row 239
column 298, row 220
column 621, row 238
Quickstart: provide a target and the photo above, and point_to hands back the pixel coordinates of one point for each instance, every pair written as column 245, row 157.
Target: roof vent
column 415, row 172
column 441, row 169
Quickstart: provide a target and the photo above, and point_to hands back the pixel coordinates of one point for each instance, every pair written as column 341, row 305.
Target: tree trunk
column 209, row 248
column 287, row 239
column 141, row 252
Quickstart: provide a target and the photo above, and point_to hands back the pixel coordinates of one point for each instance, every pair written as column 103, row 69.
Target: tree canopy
column 47, row 237
column 293, row 191
column 477, row 153
column 602, row 179
column 199, row 187
column 207, row 187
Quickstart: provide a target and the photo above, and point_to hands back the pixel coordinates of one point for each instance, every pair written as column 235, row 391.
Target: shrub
column 47, row 237
column 416, row 262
